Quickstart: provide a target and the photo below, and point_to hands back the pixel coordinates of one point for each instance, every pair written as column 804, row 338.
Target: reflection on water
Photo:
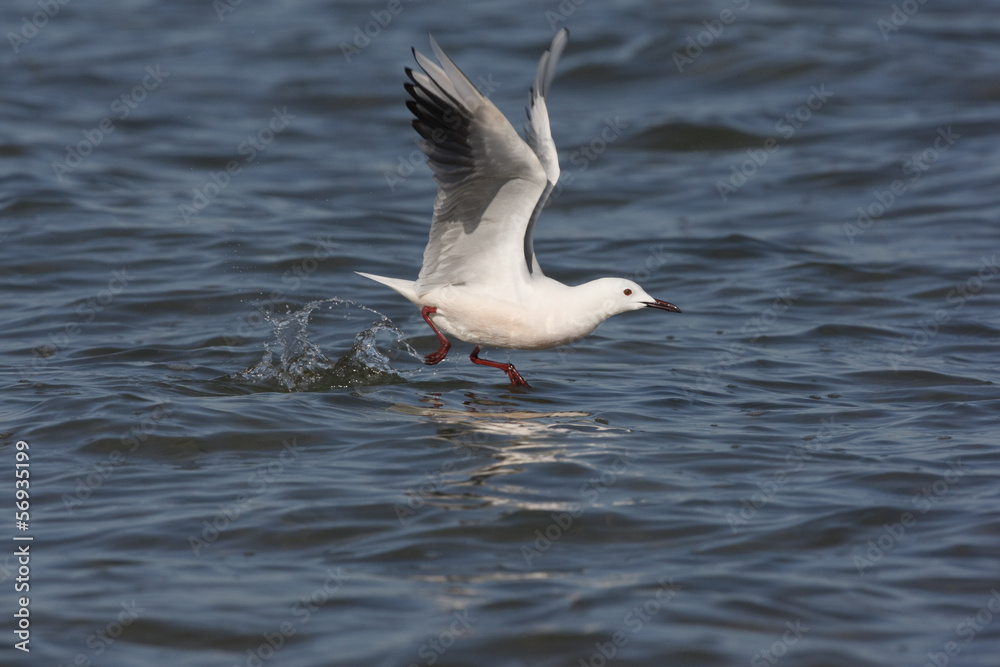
column 494, row 443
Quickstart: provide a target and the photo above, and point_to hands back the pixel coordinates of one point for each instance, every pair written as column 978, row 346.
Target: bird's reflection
column 497, row 447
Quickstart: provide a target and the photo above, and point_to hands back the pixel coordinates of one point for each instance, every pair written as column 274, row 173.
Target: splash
column 293, row 362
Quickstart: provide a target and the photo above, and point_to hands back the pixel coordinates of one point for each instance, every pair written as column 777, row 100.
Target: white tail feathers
column 403, row 287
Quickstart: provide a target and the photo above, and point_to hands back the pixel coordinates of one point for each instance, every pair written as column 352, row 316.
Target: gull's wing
column 540, row 136
column 489, row 180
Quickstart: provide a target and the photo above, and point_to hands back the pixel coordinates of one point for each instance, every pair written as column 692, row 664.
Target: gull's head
column 620, row 295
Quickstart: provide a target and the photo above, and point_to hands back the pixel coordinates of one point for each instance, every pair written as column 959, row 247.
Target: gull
column 480, row 281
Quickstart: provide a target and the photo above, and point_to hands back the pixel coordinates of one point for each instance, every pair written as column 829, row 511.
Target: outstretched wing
column 489, row 180
column 539, row 137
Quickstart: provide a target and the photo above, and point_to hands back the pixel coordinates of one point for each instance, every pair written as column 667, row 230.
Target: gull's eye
column 628, row 292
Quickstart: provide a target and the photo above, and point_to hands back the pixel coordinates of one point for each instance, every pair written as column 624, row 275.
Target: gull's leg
column 435, row 357
column 515, row 377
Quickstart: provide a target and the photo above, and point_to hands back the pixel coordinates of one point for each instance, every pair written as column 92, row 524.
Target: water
column 237, row 458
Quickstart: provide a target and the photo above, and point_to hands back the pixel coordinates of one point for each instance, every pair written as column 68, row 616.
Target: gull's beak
column 662, row 305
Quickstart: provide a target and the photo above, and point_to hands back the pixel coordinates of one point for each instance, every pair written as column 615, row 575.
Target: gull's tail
column 404, row 287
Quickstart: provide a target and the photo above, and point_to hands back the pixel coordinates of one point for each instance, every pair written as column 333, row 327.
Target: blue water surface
column 237, row 457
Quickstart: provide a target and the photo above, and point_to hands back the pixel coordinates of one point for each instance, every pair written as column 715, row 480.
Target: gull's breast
column 490, row 321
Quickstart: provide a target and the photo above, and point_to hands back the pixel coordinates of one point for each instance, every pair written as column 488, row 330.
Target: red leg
column 435, row 357
column 515, row 377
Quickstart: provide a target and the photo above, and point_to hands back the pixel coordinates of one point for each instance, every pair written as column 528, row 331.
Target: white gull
column 480, row 281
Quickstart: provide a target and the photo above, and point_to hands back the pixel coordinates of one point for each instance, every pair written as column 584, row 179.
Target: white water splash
column 295, row 363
